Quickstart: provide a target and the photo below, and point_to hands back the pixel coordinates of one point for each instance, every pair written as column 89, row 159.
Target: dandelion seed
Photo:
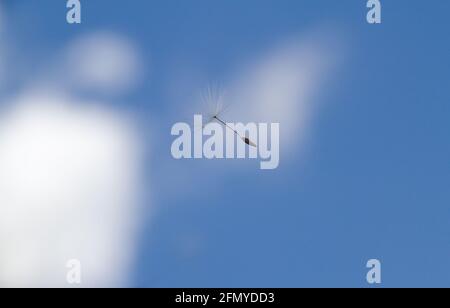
column 213, row 98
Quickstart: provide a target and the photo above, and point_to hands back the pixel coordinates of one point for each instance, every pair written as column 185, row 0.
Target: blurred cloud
column 284, row 83
column 103, row 62
column 70, row 169
column 68, row 190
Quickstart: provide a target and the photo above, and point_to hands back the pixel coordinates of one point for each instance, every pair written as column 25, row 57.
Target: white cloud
column 286, row 84
column 69, row 178
column 102, row 61
column 282, row 86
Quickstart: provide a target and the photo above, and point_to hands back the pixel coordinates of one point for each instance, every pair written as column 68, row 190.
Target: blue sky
column 372, row 184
